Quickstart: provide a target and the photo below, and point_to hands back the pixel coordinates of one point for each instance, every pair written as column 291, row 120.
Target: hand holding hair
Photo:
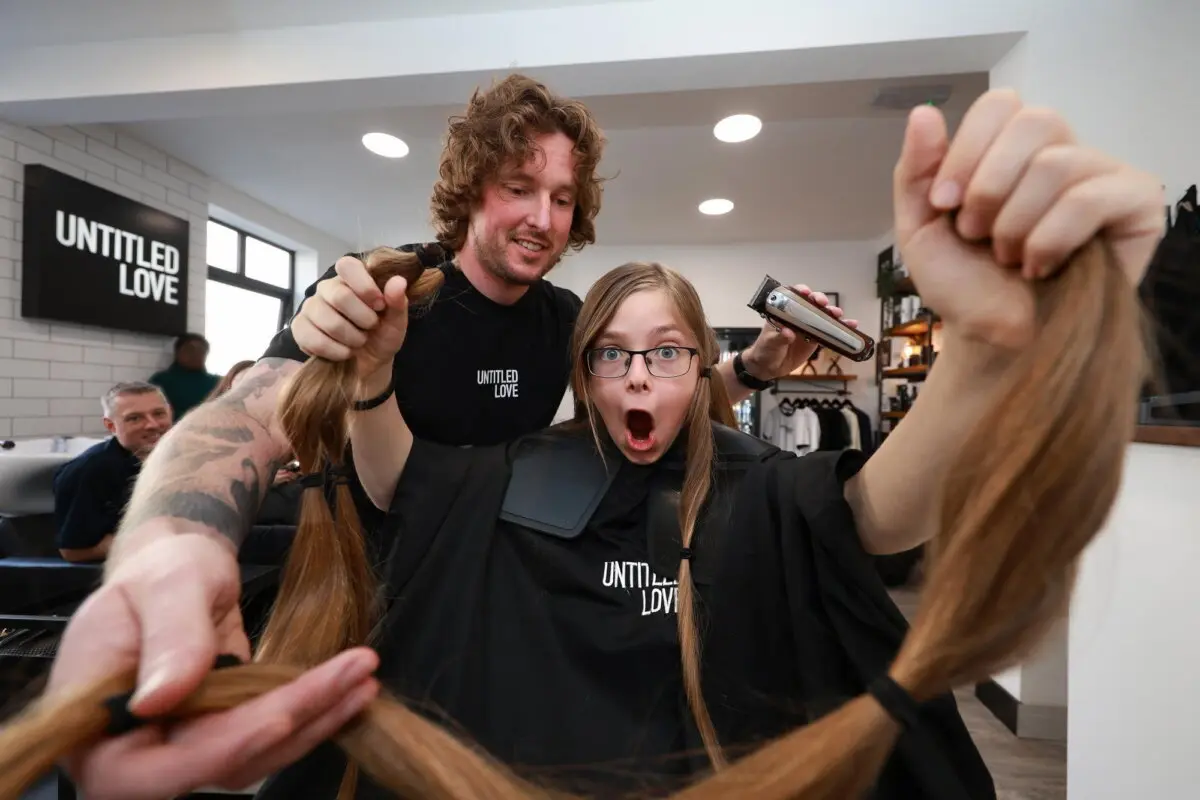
column 1008, row 201
column 353, row 315
column 1014, row 519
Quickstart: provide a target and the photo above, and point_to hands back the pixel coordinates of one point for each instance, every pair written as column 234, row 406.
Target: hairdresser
column 1015, row 177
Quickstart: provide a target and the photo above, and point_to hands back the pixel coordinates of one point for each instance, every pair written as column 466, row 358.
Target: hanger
column 787, row 407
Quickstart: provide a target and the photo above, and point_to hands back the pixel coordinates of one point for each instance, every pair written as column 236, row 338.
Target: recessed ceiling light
column 386, row 145
column 737, row 128
column 716, row 206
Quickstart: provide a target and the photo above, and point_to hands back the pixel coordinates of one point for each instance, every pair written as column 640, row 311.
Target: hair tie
column 685, row 554
column 329, row 477
column 896, row 701
column 121, row 720
column 706, row 372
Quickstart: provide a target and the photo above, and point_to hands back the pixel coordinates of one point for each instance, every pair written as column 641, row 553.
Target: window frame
column 239, row 279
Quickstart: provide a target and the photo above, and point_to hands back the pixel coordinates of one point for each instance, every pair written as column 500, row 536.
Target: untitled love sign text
column 93, row 257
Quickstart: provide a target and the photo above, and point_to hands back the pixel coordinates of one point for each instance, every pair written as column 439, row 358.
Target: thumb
column 925, row 145
column 396, row 297
column 178, row 645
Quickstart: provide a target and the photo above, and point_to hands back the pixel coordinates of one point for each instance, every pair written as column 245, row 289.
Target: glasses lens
column 669, row 362
column 608, row 362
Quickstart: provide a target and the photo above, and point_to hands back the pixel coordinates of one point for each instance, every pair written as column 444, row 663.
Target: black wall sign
column 93, row 257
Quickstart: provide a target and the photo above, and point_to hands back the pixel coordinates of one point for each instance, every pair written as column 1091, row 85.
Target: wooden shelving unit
column 918, row 332
column 906, row 372
column 796, row 376
column 918, row 327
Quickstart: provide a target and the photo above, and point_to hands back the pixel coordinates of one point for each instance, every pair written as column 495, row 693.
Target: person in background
column 187, row 383
column 92, row 489
column 230, row 379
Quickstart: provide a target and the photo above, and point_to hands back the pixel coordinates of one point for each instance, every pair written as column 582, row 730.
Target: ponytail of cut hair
column 1031, row 486
column 327, row 596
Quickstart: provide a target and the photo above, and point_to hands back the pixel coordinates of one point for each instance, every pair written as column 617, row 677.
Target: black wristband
column 378, row 400
column 896, row 701
column 745, row 378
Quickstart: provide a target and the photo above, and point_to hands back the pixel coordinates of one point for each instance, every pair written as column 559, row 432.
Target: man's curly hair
column 499, row 128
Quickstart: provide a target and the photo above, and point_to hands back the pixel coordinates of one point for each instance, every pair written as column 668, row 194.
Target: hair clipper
column 777, row 303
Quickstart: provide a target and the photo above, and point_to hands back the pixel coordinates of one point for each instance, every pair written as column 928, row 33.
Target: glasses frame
column 694, row 353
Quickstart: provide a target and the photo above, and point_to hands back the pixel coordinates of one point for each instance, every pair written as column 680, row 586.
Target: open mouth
column 639, row 429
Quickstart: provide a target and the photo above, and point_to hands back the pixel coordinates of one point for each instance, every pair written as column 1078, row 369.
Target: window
column 248, row 297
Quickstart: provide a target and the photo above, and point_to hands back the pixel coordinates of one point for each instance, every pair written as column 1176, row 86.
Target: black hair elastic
column 121, row 720
column 896, row 701
column 706, row 372
column 685, row 554
column 329, row 477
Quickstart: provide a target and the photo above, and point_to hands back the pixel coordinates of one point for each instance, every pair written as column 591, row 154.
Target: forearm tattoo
column 216, row 466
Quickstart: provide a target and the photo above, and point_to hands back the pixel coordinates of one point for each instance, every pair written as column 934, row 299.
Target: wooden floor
column 1023, row 769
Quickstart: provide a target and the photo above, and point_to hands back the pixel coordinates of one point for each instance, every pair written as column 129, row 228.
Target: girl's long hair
column 709, row 402
column 1030, row 487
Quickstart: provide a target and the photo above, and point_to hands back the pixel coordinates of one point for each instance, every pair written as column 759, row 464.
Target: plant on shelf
column 886, row 281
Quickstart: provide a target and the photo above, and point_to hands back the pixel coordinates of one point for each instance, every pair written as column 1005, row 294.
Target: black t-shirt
column 560, row 656
column 91, row 492
column 472, row 371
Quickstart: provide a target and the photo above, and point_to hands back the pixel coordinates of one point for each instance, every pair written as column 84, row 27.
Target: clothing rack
column 807, row 418
column 841, row 391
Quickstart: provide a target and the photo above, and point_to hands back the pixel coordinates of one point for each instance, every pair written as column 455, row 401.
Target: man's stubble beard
column 494, row 261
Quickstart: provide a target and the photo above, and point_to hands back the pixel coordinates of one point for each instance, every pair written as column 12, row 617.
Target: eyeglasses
column 670, row 361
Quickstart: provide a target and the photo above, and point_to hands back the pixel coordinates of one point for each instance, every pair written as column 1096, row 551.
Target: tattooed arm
column 210, row 473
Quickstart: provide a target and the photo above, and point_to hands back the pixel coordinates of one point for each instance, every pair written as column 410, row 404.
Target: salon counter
column 1176, row 435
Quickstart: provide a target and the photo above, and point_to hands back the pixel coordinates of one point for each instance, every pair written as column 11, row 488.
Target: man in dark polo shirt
column 92, row 490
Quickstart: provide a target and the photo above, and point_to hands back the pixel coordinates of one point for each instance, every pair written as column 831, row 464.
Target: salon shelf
column 918, row 327
column 1177, row 435
column 796, row 376
column 906, row 372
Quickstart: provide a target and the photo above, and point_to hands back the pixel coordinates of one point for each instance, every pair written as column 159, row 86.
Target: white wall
column 726, row 277
column 1139, row 110
column 1134, row 646
column 52, row 375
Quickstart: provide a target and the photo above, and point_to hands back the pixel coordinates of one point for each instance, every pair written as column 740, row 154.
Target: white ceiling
column 820, row 169
column 272, row 97
column 30, row 23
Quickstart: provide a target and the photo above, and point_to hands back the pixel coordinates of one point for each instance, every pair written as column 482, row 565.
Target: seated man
column 92, row 490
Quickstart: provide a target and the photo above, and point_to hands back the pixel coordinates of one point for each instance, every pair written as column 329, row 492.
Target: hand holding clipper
column 776, row 302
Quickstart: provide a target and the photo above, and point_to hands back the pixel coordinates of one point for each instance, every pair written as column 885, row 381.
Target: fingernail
column 946, row 195
column 155, row 681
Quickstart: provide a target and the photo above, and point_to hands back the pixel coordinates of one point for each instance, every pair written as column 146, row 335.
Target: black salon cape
column 795, row 619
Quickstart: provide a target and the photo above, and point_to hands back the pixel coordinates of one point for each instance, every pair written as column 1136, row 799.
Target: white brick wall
column 52, row 375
